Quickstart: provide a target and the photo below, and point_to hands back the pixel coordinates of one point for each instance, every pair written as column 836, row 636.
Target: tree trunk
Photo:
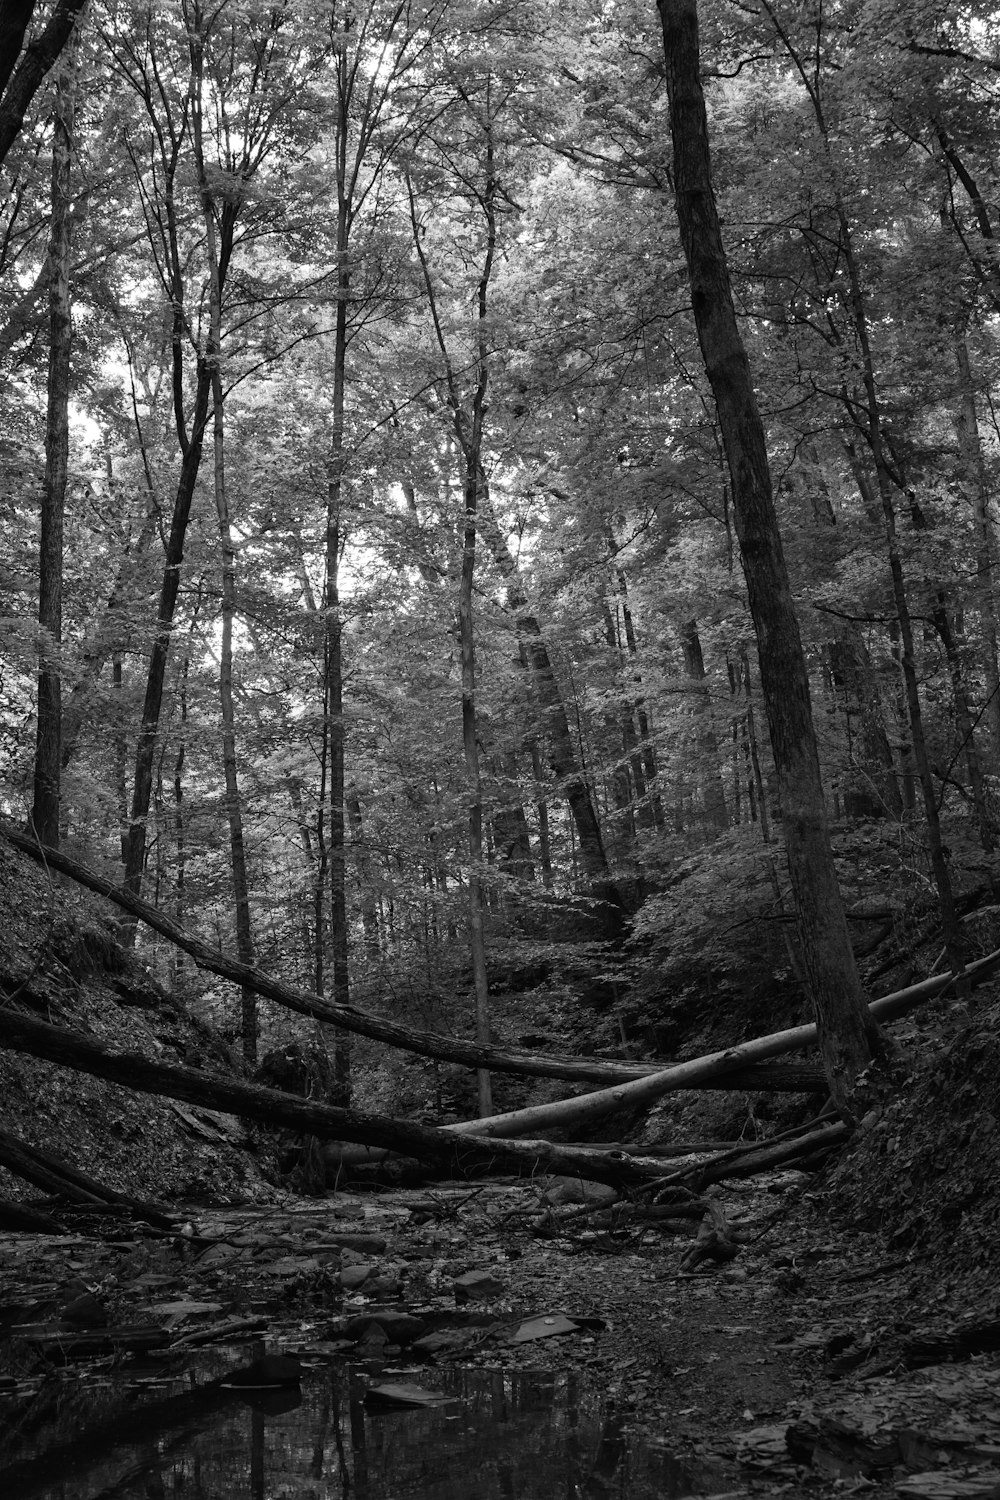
column 510, row 825
column 234, row 809
column 618, row 723
column 191, row 438
column 542, row 813
column 708, row 770
column 975, row 480
column 849, row 1039
column 457, row 1153
column 558, row 737
column 651, row 813
column 428, row 1044
column 875, row 793
column 333, row 723
column 477, row 942
column 964, row 721
column 872, row 428
column 369, row 909
column 48, row 754
column 20, row 76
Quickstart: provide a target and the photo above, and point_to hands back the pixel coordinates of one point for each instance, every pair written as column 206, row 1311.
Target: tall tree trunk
column 160, row 653
column 234, row 807
column 469, row 434
column 470, row 745
column 191, row 439
column 21, row 75
column 849, row 1040
column 48, row 755
column 333, row 723
column 974, row 477
column 872, row 427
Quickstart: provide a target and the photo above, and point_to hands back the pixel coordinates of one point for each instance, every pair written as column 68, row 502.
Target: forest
column 498, row 546
column 499, row 686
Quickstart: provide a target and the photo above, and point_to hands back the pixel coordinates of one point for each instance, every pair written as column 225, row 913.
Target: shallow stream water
column 148, row 1432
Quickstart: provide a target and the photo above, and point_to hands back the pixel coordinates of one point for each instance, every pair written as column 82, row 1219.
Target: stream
column 149, row 1429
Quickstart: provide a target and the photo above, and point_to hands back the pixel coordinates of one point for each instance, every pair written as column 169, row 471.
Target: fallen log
column 470, row 1054
column 454, row 1152
column 764, row 1158
column 46, row 1171
column 21, row 1220
column 339, row 1154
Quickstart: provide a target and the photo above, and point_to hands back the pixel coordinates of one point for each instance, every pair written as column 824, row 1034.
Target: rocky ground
column 851, row 1346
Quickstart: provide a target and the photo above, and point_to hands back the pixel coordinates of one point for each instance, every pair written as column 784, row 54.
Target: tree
column 849, row 1040
column 21, row 72
column 48, row 749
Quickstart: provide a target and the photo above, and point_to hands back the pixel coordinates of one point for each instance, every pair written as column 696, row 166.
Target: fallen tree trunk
column 55, row 1176
column 454, row 1152
column 762, row 1156
column 470, row 1054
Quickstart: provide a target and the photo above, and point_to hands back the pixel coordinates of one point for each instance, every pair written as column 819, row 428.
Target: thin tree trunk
column 234, row 808
column 470, row 745
column 619, row 725
column 369, row 909
column 851, row 668
column 562, row 754
column 873, row 431
column 48, row 754
column 974, row 467
column 964, row 722
column 160, row 653
column 333, row 718
column 469, row 434
column 708, row 770
column 655, row 806
column 849, row 1039
column 542, row 813
column 754, row 751
column 191, row 438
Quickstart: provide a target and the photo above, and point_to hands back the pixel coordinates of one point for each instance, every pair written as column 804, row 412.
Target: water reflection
column 497, row 1435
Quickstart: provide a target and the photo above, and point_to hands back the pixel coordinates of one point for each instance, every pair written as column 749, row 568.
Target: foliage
column 607, row 524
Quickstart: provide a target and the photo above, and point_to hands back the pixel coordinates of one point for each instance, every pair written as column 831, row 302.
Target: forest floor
column 852, row 1347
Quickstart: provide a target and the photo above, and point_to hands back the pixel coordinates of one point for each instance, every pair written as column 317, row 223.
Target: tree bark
column 469, row 434
column 19, row 80
column 977, row 486
column 333, row 630
column 234, row 807
column 875, row 434
column 48, row 743
column 849, row 1039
